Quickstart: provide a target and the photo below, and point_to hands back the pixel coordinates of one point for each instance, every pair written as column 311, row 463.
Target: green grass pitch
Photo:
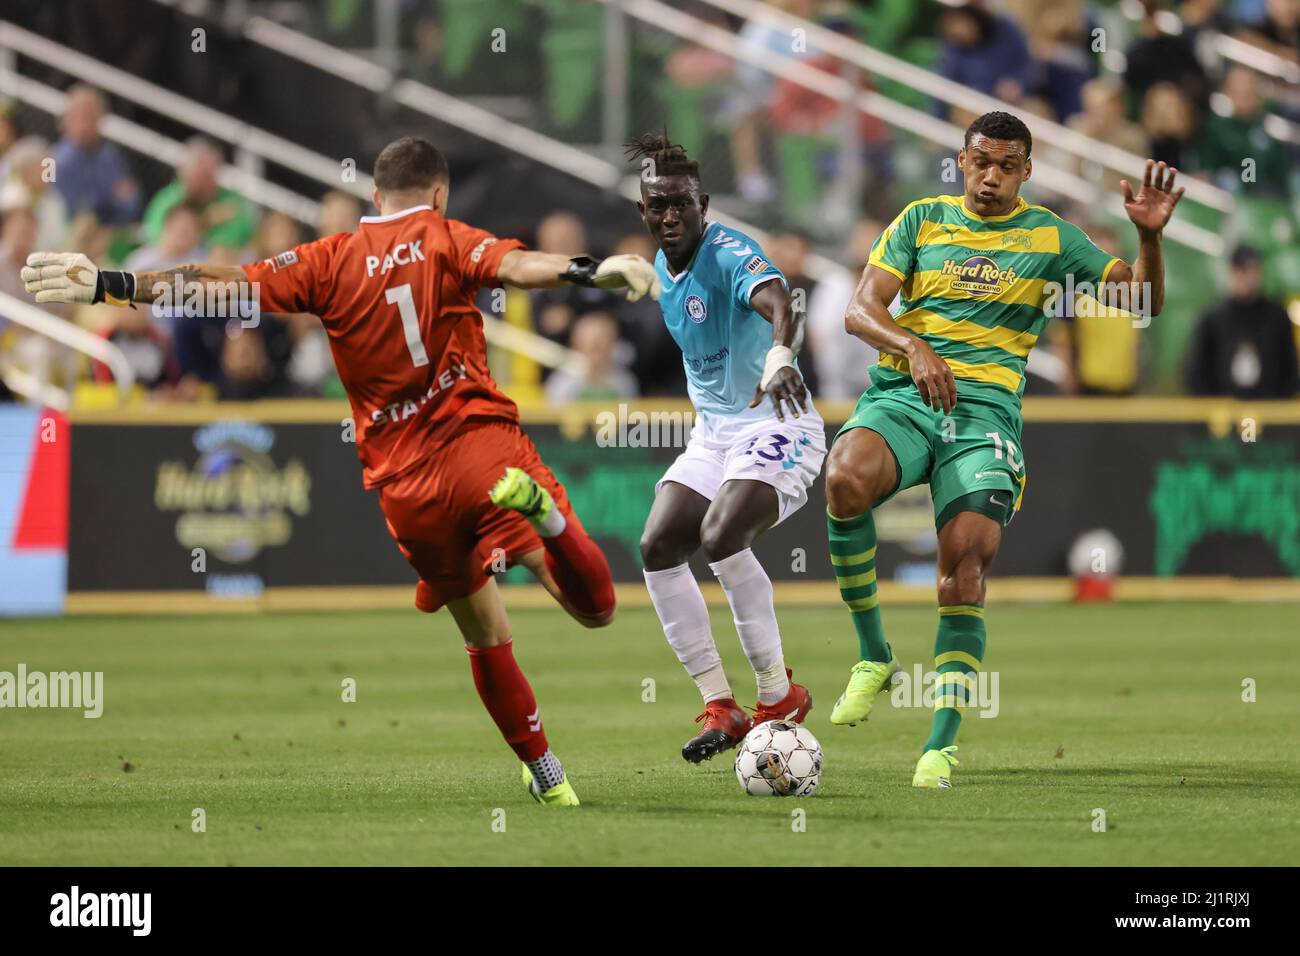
column 1134, row 709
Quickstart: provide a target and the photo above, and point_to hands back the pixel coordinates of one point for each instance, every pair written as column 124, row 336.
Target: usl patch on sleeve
column 755, row 265
column 283, row 261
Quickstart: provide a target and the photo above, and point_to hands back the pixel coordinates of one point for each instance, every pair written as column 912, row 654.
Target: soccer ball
column 779, row 758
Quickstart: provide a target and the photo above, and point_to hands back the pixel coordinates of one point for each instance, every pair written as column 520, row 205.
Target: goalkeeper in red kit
column 462, row 487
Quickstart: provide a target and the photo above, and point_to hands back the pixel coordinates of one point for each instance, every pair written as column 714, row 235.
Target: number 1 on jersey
column 410, row 322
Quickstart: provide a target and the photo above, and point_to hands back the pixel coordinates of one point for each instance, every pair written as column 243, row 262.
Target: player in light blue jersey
column 757, row 446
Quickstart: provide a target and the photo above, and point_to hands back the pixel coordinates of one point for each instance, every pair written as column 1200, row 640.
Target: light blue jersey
column 724, row 342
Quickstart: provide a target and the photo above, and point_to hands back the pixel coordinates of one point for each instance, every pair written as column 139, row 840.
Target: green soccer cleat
column 866, row 680
column 934, row 769
column 560, row 795
column 517, row 491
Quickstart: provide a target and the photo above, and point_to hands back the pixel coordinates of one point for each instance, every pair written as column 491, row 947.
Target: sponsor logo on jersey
column 755, row 265
column 978, row 275
column 477, row 254
column 701, row 363
column 695, row 310
column 283, row 261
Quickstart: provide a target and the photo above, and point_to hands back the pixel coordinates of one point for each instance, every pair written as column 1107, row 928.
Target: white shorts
column 786, row 455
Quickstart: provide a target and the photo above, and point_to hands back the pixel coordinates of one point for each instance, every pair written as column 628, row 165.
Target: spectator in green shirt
column 228, row 219
column 1237, row 134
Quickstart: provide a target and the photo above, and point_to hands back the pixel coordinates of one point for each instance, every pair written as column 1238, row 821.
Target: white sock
column 680, row 605
column 749, row 592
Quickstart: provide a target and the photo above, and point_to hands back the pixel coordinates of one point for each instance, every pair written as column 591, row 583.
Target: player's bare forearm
column 868, row 318
column 1139, row 288
column 773, row 303
column 226, row 284
column 532, row 270
column 781, row 381
column 545, row 270
column 1149, row 270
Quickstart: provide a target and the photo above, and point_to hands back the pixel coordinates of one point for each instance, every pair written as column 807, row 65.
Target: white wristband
column 778, row 357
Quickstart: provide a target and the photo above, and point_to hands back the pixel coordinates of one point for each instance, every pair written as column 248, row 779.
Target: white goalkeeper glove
column 617, row 272
column 631, row 271
column 71, row 278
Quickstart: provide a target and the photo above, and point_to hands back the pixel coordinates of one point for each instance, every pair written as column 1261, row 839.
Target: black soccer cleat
column 725, row 725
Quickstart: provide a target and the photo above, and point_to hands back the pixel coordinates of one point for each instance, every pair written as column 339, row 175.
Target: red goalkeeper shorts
column 440, row 516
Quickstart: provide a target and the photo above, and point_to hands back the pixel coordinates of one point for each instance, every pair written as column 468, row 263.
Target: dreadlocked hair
column 667, row 158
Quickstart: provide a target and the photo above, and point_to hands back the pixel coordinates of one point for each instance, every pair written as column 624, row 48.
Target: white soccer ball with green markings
column 779, row 758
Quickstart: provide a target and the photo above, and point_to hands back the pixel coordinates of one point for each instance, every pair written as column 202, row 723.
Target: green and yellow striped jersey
column 975, row 287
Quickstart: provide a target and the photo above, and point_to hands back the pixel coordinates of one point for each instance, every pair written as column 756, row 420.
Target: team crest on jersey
column 695, row 310
column 283, row 260
column 1018, row 239
column 978, row 275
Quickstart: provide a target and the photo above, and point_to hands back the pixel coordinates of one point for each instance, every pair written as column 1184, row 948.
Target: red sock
column 580, row 569
column 505, row 693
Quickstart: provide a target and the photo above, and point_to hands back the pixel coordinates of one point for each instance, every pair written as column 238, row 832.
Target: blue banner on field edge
column 34, row 460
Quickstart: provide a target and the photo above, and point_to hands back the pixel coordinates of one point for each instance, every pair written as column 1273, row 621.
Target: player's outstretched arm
column 1141, row 286
column 70, row 277
column 868, row 318
column 545, row 270
column 781, row 380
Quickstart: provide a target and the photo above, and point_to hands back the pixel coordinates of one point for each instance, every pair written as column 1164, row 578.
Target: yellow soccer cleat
column 560, row 795
column 517, row 491
column 866, row 680
column 934, row 769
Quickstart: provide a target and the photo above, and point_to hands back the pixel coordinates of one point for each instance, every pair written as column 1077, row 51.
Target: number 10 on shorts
column 1017, row 464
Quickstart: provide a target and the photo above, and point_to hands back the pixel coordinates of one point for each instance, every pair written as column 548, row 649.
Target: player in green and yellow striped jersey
column 980, row 276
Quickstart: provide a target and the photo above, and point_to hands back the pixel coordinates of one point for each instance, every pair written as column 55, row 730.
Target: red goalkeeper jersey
column 397, row 299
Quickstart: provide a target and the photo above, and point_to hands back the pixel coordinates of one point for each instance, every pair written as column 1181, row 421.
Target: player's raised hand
column 1151, row 209
column 631, row 272
column 68, row 277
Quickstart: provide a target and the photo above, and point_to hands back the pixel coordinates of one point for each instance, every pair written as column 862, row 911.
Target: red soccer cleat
column 725, row 725
column 793, row 706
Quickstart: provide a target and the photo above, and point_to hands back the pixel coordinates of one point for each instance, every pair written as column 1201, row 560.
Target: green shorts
column 971, row 458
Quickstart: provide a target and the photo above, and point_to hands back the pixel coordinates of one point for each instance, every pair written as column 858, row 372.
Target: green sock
column 958, row 651
column 853, row 555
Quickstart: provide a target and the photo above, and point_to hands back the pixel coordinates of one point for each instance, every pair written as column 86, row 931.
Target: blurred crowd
column 787, row 152
column 1173, row 99
column 1168, row 93
column 80, row 193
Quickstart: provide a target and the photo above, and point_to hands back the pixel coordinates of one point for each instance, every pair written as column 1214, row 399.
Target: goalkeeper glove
column 70, row 277
column 616, row 272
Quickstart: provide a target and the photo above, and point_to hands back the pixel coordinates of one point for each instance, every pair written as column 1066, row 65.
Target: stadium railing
column 37, row 320
column 148, row 142
column 253, row 149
